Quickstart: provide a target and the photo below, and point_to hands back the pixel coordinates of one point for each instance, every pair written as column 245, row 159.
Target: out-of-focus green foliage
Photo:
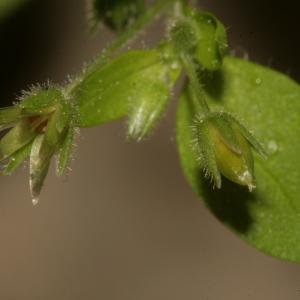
column 7, row 7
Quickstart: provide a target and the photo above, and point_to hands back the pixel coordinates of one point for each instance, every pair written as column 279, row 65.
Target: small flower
column 224, row 147
column 36, row 127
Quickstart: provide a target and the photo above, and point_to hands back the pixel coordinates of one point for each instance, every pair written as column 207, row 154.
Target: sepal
column 224, row 147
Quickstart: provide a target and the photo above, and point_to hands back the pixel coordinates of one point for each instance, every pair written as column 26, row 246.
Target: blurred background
column 124, row 224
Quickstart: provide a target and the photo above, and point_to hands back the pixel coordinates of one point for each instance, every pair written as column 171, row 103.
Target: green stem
column 195, row 85
column 152, row 12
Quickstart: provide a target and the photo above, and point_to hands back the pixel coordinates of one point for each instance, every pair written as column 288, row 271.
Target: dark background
column 124, row 224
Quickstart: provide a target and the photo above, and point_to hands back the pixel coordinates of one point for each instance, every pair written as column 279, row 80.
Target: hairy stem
column 195, row 84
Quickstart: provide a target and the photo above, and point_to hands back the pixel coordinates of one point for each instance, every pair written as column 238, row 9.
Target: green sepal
column 268, row 102
column 204, row 148
column 40, row 157
column 201, row 35
column 52, row 134
column 103, row 95
column 17, row 159
column 43, row 148
column 237, row 167
column 9, row 115
column 65, row 151
column 210, row 38
column 16, row 138
column 41, row 101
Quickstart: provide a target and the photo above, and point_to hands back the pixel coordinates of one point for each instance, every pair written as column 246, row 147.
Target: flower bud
column 37, row 128
column 149, row 96
column 212, row 40
column 201, row 35
column 224, row 147
column 184, row 37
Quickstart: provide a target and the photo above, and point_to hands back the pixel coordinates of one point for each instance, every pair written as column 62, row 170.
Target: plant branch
column 154, row 11
column 151, row 14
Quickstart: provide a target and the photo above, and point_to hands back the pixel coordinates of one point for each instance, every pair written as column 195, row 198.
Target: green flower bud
column 224, row 147
column 201, row 35
column 212, row 40
column 150, row 95
column 38, row 127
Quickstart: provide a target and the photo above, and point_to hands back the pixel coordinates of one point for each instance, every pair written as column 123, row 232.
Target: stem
column 152, row 12
column 156, row 9
column 195, row 84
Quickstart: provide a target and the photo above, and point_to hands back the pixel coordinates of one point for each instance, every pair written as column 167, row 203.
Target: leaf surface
column 110, row 92
column 269, row 104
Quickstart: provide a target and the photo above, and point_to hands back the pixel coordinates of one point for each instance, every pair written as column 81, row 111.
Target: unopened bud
column 37, row 128
column 224, row 147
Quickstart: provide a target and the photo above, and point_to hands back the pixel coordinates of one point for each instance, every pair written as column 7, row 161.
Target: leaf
column 40, row 157
column 104, row 95
column 117, row 14
column 269, row 103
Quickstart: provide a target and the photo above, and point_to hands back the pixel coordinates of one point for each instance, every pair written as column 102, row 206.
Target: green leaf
column 16, row 138
column 202, row 35
column 117, row 14
column 147, row 102
column 149, row 98
column 64, row 115
column 52, row 135
column 269, row 103
column 9, row 115
column 103, row 95
column 212, row 40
